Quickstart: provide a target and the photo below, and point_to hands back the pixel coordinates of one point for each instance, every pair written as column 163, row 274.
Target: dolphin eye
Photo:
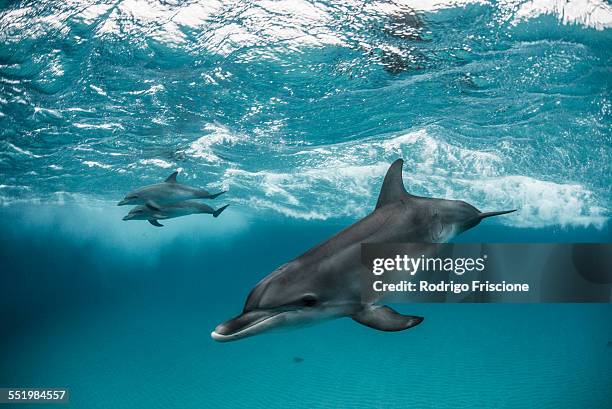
column 309, row 300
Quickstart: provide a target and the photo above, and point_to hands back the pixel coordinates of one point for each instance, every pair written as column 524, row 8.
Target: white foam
column 15, row 187
column 154, row 18
column 390, row 7
column 97, row 89
column 268, row 25
column 94, row 164
column 292, row 24
column 106, row 126
column 539, row 202
column 21, row 151
column 296, row 22
column 156, row 162
column 197, row 14
column 90, row 14
column 342, row 180
column 217, row 135
column 48, row 112
column 154, row 89
column 591, row 13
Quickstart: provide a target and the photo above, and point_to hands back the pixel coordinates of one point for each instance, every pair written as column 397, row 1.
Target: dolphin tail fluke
column 217, row 212
column 214, row 195
column 384, row 318
column 155, row 223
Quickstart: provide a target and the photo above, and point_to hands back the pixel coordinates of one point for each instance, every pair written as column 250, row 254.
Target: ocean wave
column 215, row 136
column 105, row 126
column 21, row 151
column 350, row 192
column 156, row 162
column 539, row 203
column 91, row 164
column 284, row 25
column 595, row 14
column 343, row 181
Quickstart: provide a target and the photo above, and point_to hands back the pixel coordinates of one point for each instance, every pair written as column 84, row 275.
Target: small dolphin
column 167, row 192
column 154, row 212
column 324, row 282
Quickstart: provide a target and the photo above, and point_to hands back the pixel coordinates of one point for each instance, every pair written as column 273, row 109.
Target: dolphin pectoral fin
column 217, row 212
column 392, row 189
column 155, row 223
column 385, row 318
column 171, row 178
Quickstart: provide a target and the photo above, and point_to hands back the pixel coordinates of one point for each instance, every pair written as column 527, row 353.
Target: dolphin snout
column 123, row 202
column 244, row 325
column 126, row 217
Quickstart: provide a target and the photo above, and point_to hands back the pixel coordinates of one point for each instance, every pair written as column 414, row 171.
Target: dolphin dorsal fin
column 392, row 189
column 171, row 178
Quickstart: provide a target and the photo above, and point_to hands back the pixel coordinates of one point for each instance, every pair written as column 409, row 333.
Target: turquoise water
column 296, row 109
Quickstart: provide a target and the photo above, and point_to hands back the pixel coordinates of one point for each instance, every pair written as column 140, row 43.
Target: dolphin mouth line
column 243, row 331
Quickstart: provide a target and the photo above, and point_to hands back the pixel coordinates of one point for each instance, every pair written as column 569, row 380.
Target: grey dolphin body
column 325, row 283
column 154, row 212
column 167, row 192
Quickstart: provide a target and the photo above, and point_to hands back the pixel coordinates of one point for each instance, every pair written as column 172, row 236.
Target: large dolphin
column 167, row 192
column 153, row 212
column 325, row 281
